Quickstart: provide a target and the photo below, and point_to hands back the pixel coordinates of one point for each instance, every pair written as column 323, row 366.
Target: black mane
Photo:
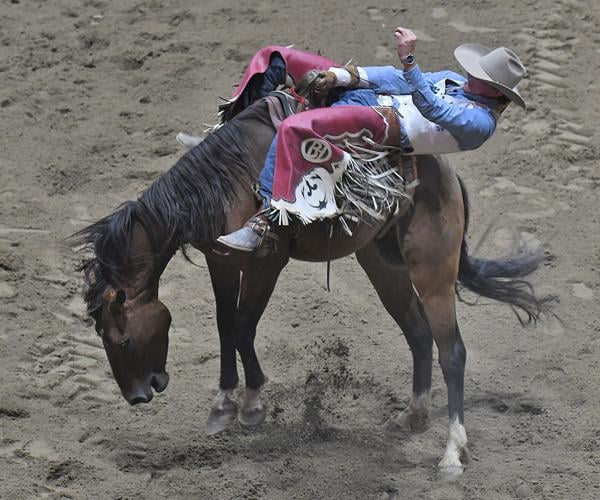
column 186, row 204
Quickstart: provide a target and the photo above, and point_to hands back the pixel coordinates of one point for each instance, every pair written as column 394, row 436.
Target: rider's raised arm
column 471, row 125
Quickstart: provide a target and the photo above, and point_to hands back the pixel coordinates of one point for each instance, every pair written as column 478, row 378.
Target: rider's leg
column 286, row 154
column 267, row 174
column 259, row 86
column 254, row 232
column 262, row 85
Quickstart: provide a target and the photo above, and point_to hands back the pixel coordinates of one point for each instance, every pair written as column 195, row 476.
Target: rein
column 330, row 223
column 301, row 100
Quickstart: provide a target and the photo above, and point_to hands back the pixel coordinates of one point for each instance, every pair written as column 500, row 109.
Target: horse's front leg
column 226, row 285
column 257, row 282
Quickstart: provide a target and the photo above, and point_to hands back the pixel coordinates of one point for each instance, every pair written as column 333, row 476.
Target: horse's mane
column 188, row 203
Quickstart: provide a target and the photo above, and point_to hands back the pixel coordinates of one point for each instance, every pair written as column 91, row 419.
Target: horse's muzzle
column 143, row 392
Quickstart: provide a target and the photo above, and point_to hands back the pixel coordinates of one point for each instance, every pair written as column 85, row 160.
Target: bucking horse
column 416, row 262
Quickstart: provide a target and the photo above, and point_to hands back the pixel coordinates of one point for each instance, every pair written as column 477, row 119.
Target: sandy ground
column 91, row 95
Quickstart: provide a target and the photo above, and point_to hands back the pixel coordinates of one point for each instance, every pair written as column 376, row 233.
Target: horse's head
column 135, row 333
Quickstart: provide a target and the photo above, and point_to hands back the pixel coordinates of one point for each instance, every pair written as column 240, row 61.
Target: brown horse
column 415, row 265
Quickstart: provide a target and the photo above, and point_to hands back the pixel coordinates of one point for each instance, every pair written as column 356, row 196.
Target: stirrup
column 261, row 225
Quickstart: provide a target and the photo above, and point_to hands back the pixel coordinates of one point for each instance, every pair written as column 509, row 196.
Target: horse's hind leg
column 440, row 309
column 396, row 292
column 432, row 248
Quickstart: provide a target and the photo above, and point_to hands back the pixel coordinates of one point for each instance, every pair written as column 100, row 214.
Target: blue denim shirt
column 471, row 127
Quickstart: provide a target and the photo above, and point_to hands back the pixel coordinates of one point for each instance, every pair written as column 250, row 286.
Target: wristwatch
column 408, row 60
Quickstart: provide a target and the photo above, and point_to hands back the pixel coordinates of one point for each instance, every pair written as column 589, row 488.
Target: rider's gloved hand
column 325, row 81
column 337, row 77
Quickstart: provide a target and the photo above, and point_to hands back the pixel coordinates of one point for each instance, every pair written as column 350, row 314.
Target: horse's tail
column 501, row 279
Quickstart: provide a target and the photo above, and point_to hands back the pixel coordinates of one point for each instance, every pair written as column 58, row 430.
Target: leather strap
column 260, row 225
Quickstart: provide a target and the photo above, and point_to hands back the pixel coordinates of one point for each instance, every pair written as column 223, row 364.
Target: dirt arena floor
column 92, row 93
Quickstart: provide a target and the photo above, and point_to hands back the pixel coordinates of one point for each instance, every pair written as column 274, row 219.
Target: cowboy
column 438, row 113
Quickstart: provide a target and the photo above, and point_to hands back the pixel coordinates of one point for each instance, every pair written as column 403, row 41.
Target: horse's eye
column 124, row 344
column 99, row 331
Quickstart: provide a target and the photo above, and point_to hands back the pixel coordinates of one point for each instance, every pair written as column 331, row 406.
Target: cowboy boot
column 255, row 235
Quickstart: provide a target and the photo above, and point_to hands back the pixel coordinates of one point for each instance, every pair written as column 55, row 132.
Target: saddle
column 294, row 99
column 288, row 101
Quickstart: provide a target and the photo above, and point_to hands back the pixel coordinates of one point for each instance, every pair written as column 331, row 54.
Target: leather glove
column 324, row 82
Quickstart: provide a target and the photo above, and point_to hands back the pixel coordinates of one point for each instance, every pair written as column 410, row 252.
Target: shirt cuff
column 415, row 79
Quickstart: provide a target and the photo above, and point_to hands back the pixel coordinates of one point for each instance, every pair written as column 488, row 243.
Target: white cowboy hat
column 501, row 68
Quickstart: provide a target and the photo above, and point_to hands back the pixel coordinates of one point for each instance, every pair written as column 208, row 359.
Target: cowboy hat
column 501, row 68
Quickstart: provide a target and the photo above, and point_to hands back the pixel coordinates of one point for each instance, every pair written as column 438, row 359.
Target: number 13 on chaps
column 337, row 174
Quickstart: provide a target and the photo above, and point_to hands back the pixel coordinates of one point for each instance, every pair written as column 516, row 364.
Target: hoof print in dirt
column 406, row 422
column 13, row 413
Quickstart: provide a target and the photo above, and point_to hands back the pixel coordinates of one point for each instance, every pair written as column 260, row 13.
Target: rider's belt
column 425, row 137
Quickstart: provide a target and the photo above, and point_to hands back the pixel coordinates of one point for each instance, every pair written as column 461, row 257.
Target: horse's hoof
column 450, row 473
column 252, row 418
column 220, row 419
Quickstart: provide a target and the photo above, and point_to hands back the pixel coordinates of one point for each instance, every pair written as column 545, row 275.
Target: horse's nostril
column 159, row 382
column 140, row 399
